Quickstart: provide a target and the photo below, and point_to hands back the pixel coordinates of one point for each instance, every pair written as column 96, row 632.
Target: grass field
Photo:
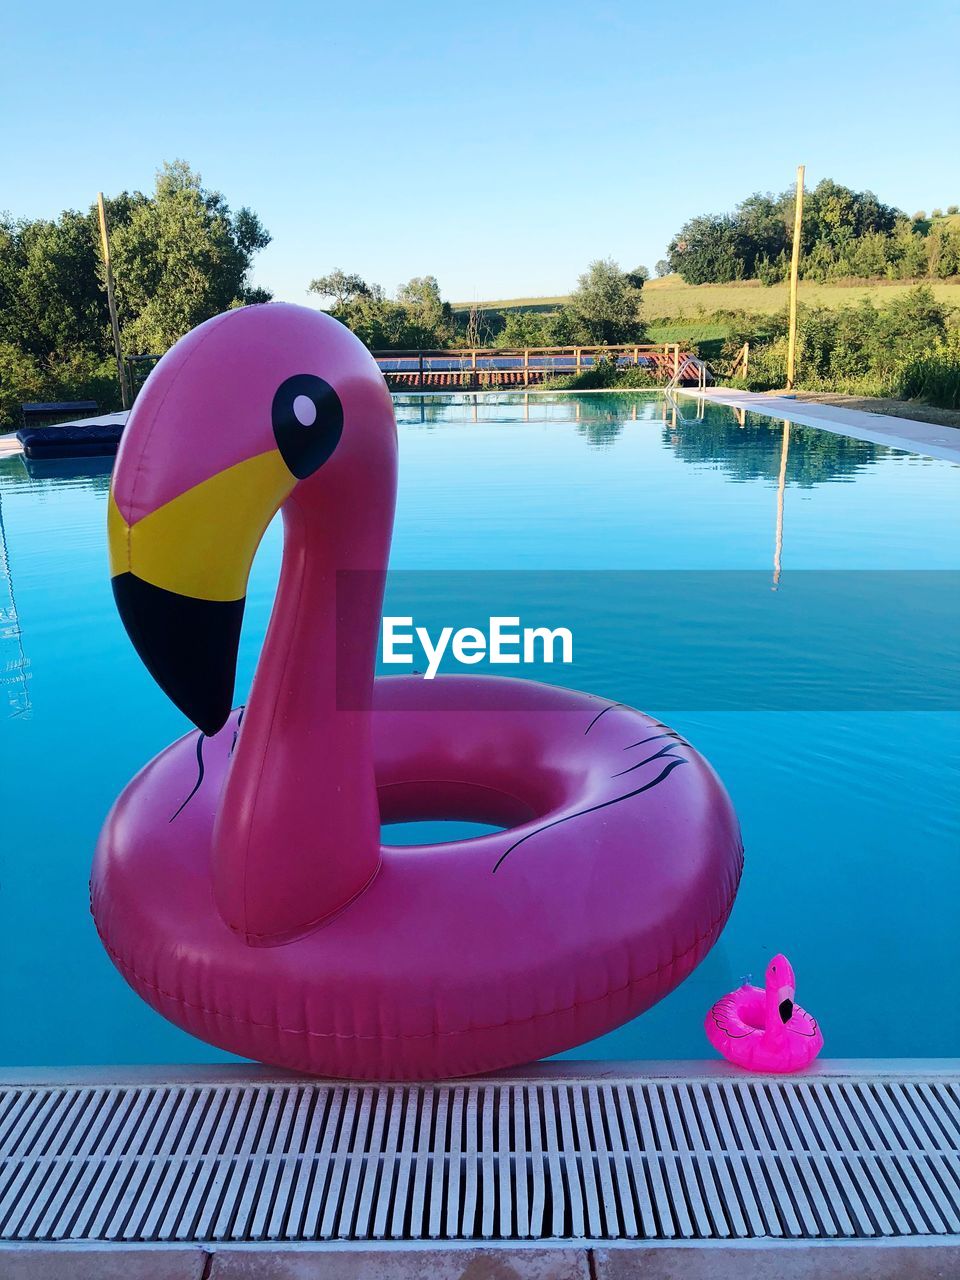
column 669, row 298
column 515, row 304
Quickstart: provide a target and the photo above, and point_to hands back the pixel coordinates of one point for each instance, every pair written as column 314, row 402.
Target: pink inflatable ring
column 240, row 885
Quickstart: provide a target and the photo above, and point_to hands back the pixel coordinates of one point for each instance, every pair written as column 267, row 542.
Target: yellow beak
column 179, row 578
column 202, row 543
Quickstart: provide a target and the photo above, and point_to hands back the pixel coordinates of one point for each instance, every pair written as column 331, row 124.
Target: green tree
column 182, row 257
column 566, row 329
column 837, row 214
column 417, row 318
column 343, row 287
column 608, row 304
column 429, row 318
column 943, row 251
column 754, row 240
column 704, row 251
column 21, row 379
column 51, row 297
column 526, row 329
column 763, row 227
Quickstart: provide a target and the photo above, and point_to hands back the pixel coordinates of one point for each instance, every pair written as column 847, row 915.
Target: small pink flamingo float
column 761, row 1028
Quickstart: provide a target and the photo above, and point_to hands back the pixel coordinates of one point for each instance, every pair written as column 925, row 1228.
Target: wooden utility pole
column 111, row 301
column 794, row 279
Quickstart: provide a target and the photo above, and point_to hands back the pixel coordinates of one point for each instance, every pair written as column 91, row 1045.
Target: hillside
column 668, row 298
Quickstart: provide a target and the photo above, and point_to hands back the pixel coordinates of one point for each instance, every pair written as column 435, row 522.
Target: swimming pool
column 844, row 772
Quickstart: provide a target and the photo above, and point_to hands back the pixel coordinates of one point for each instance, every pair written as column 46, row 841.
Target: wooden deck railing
column 740, row 367
column 483, row 367
column 480, row 368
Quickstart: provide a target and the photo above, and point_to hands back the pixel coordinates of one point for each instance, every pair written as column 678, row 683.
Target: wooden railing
column 479, row 368
column 482, row 367
column 740, row 368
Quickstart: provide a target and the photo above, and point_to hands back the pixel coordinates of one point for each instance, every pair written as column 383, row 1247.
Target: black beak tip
column 208, row 725
column 189, row 646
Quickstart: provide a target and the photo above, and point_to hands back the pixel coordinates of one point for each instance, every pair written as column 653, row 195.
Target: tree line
column 606, row 307
column 844, row 234
column 180, row 255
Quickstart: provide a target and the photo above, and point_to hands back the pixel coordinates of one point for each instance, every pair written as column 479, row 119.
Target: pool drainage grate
column 495, row 1159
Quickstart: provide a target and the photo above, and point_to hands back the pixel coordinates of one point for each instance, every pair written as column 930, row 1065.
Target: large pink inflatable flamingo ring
column 240, row 884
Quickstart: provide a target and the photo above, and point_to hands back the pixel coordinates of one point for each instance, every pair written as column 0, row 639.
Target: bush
column 605, row 375
column 904, row 349
column 933, row 376
column 77, row 375
column 607, row 304
column 81, row 376
column 636, row 377
column 21, row 378
column 772, row 272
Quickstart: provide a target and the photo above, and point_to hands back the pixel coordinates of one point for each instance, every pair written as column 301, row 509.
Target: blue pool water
column 844, row 773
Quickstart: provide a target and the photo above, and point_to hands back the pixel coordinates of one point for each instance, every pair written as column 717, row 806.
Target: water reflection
column 598, row 417
column 781, row 490
column 696, row 430
column 14, row 664
column 84, row 473
column 743, row 452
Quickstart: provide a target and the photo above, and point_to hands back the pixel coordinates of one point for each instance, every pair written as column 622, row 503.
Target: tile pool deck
column 593, row 1170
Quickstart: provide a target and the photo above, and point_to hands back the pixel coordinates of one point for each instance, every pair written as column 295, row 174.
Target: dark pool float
column 240, row 885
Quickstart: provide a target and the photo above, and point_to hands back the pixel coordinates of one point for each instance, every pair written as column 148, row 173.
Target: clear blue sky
column 498, row 146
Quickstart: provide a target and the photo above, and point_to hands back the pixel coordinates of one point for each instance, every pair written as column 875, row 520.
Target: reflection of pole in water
column 13, row 673
column 526, row 406
column 475, row 400
column 781, row 487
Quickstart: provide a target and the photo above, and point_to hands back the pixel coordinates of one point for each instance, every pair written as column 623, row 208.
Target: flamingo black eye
column 307, row 422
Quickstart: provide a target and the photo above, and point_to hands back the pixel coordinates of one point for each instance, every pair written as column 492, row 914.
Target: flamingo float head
column 258, row 408
column 781, row 986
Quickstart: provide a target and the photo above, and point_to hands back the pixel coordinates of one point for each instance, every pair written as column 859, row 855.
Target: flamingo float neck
column 312, row 688
column 204, row 466
column 780, row 990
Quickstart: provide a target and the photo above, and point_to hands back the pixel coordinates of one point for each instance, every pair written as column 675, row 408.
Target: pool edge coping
column 598, row 1069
